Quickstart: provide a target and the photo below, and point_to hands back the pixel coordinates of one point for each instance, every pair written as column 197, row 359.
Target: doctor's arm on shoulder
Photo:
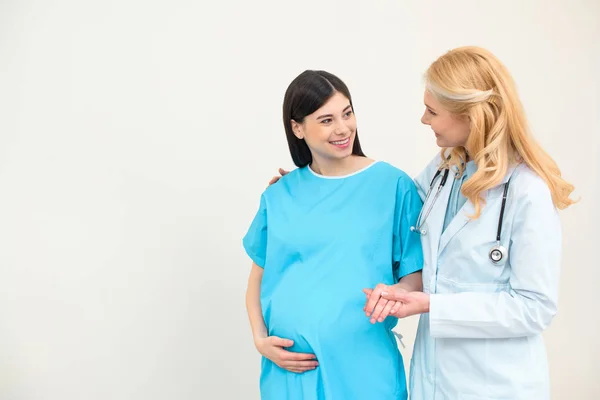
column 529, row 304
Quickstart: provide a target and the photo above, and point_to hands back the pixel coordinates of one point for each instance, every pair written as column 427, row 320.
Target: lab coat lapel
column 458, row 222
column 462, row 217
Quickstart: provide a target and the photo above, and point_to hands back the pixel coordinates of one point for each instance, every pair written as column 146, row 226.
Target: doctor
column 491, row 240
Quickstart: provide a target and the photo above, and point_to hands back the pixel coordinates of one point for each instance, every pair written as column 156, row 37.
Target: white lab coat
column 482, row 337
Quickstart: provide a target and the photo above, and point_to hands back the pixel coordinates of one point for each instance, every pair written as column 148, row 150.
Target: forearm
column 253, row 307
column 489, row 315
column 412, row 282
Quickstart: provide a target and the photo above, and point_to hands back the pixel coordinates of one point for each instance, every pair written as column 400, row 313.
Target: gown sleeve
column 255, row 240
column 407, row 256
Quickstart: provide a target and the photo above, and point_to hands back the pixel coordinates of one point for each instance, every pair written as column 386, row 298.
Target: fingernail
column 384, row 293
column 380, row 319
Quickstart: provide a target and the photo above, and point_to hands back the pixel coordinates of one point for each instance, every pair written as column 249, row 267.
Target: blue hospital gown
column 321, row 240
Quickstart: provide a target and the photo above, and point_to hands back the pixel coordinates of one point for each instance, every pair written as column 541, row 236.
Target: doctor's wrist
column 427, row 303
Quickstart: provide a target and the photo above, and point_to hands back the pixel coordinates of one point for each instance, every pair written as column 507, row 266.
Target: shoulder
column 393, row 173
column 527, row 183
column 283, row 186
column 528, row 187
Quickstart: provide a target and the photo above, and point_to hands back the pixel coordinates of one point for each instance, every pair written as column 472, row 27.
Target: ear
column 298, row 130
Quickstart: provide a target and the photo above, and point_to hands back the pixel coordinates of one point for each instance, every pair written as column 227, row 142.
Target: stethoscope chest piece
column 498, row 254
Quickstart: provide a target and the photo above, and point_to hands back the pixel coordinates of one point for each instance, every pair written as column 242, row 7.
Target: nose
column 342, row 128
column 425, row 119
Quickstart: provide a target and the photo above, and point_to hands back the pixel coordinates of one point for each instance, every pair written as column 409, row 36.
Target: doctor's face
column 329, row 132
column 450, row 130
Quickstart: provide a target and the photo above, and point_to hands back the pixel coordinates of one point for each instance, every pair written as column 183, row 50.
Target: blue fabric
column 321, row 240
column 457, row 200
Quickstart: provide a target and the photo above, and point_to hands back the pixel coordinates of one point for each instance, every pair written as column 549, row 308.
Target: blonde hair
column 471, row 81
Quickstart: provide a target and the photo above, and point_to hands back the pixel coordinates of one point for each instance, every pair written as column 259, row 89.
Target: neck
column 338, row 167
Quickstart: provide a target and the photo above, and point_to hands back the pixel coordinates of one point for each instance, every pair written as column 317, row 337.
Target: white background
column 136, row 138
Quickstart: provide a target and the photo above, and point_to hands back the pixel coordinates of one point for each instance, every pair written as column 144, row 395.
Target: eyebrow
column 331, row 115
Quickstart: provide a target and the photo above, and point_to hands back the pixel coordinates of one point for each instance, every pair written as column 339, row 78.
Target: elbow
column 540, row 315
column 547, row 316
column 419, row 281
column 412, row 282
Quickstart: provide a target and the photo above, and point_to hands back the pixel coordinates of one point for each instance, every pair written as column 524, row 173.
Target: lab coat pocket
column 446, row 285
column 467, row 260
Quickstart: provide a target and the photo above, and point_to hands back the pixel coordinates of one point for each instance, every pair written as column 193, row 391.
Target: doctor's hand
column 272, row 347
column 408, row 303
column 274, row 179
column 377, row 307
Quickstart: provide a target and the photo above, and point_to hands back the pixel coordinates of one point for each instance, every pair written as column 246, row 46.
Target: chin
column 341, row 156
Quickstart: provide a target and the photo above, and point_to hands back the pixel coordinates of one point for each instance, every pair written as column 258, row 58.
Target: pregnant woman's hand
column 272, row 347
column 377, row 307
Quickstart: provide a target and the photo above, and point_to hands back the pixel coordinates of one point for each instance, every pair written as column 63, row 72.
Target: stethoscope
column 498, row 252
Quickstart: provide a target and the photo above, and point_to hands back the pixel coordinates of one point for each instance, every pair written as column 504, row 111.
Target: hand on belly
column 274, row 348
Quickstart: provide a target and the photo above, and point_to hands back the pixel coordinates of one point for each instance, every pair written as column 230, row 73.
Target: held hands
column 394, row 300
column 377, row 307
column 272, row 347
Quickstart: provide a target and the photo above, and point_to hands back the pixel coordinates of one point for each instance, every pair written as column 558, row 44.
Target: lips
column 341, row 142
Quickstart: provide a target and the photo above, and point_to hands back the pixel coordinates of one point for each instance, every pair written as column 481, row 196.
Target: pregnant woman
column 337, row 224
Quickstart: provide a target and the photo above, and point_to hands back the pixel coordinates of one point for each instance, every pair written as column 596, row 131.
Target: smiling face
column 330, row 131
column 450, row 130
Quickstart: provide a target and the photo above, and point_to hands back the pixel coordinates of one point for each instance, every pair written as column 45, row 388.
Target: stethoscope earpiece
column 418, row 230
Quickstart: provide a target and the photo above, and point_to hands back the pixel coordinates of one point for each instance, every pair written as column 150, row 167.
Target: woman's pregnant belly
column 321, row 310
column 324, row 314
